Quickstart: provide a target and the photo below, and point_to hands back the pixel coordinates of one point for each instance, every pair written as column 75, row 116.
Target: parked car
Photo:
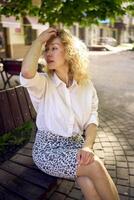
column 107, row 40
column 97, row 48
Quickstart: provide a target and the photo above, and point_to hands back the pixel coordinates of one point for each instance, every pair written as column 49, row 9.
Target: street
column 113, row 76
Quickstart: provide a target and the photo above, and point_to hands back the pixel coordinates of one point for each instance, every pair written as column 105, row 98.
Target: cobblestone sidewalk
column 115, row 146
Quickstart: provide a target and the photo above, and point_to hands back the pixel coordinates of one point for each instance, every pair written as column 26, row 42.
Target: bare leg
column 87, row 188
column 98, row 174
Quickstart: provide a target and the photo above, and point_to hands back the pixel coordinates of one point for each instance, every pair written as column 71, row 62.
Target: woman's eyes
column 53, row 48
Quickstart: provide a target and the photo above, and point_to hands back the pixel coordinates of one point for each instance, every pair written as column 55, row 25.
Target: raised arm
column 30, row 62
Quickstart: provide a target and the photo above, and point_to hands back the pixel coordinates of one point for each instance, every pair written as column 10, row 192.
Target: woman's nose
column 49, row 53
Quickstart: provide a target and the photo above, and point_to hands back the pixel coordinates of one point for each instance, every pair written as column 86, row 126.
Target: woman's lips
column 50, row 61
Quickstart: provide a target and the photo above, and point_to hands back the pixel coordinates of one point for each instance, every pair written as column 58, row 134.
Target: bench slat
column 30, row 106
column 29, row 145
column 14, row 106
column 23, row 104
column 25, row 189
column 1, row 125
column 6, row 195
column 23, row 160
column 33, row 176
column 7, row 122
column 25, row 151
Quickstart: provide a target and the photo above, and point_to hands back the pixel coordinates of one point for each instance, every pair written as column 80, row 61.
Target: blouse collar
column 58, row 81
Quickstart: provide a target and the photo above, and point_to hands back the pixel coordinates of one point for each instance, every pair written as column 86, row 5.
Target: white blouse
column 61, row 110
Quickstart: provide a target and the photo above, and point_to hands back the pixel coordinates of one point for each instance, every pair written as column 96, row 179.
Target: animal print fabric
column 56, row 155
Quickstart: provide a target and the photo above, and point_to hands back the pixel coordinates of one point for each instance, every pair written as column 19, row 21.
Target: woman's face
column 55, row 54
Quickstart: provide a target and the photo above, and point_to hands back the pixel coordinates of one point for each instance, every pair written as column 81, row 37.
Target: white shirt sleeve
column 35, row 86
column 93, row 118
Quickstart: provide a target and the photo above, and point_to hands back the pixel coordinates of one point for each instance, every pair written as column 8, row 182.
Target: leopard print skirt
column 56, row 155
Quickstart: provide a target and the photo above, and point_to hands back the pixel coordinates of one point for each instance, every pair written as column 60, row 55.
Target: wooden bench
column 20, row 179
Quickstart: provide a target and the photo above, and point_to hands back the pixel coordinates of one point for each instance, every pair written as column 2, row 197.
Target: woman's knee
column 94, row 169
column 97, row 163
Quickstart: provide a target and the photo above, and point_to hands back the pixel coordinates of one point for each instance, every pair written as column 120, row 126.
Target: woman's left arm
column 90, row 135
column 85, row 155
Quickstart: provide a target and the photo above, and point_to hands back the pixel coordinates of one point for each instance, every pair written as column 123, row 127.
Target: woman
column 66, row 103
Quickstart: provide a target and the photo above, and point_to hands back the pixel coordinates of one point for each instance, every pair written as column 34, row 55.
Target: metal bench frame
column 9, row 69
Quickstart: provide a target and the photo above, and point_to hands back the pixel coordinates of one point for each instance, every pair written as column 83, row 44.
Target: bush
column 12, row 141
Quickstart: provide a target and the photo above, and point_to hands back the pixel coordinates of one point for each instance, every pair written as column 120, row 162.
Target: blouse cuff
column 93, row 119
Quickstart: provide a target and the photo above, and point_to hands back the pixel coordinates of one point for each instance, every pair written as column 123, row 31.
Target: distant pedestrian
column 66, row 104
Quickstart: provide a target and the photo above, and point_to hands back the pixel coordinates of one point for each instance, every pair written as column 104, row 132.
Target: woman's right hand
column 30, row 62
column 46, row 35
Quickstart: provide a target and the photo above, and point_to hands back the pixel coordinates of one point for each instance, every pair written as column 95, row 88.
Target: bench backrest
column 15, row 108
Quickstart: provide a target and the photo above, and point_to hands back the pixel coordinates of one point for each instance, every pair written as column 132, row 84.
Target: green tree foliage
column 130, row 7
column 68, row 11
column 18, row 8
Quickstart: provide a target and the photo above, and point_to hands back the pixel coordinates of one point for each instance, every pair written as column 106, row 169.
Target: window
column 29, row 33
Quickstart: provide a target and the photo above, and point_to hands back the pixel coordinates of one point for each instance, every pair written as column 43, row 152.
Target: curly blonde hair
column 77, row 57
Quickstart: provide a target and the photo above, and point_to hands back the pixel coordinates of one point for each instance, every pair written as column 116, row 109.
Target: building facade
column 17, row 35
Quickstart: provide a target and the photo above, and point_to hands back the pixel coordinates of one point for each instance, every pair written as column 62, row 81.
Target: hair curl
column 77, row 57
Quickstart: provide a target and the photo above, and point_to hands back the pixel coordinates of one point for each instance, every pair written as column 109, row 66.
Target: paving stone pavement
column 115, row 146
